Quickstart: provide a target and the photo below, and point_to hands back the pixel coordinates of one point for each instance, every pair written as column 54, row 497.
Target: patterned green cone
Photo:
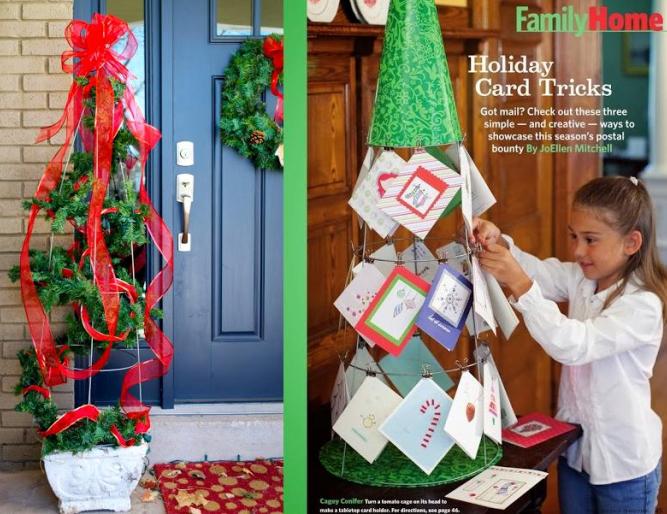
column 414, row 103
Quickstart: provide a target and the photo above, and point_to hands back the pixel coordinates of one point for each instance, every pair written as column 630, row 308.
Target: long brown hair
column 625, row 205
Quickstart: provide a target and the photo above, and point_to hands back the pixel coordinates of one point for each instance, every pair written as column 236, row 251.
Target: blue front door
column 224, row 311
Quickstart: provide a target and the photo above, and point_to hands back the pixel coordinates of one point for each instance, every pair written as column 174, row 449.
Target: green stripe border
column 294, row 257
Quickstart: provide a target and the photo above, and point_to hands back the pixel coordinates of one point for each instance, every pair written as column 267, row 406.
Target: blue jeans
column 578, row 496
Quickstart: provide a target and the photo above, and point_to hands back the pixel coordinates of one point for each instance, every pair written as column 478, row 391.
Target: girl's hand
column 484, row 232
column 498, row 261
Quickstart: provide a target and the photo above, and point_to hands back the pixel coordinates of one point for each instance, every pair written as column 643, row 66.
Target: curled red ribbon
column 273, row 49
column 38, row 389
column 68, row 419
column 93, row 56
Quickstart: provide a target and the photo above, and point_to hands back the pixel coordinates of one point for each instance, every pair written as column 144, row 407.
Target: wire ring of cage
column 426, row 373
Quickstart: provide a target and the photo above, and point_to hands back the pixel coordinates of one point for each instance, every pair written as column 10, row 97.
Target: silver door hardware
column 185, row 191
column 185, row 153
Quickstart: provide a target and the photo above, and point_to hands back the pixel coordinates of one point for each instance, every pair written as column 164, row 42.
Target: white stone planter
column 99, row 479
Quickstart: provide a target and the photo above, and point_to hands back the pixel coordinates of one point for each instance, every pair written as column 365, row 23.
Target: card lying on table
column 497, row 487
column 535, row 428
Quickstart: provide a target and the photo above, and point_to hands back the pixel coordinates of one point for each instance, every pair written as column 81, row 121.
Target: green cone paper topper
column 414, row 103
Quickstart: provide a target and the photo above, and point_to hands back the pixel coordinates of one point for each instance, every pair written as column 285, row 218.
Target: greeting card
column 419, row 259
column 366, row 411
column 390, row 320
column 416, row 426
column 359, row 293
column 360, row 366
column 497, row 487
column 384, row 259
column 405, row 370
column 446, row 307
column 481, row 197
column 365, row 167
column 366, row 196
column 502, row 310
column 483, row 355
column 420, row 193
column 456, row 256
column 340, row 394
column 492, row 422
column 482, row 302
column 535, row 428
column 465, row 422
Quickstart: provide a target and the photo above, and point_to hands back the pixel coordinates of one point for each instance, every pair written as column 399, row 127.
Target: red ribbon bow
column 94, row 57
column 273, row 49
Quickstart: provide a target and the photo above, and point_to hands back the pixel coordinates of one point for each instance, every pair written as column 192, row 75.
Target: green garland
column 245, row 126
column 124, row 229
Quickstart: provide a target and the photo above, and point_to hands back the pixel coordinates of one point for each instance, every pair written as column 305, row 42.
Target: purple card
column 446, row 307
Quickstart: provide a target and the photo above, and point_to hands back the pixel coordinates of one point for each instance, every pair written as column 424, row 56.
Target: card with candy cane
column 416, row 426
column 421, row 192
column 465, row 422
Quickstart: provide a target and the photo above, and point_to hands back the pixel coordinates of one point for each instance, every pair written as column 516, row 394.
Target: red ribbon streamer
column 120, row 439
column 92, row 56
column 38, row 389
column 273, row 49
column 68, row 419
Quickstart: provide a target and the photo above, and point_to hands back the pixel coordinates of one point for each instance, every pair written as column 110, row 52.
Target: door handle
column 185, row 189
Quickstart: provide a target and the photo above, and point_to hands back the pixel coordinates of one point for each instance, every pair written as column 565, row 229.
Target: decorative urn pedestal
column 99, row 479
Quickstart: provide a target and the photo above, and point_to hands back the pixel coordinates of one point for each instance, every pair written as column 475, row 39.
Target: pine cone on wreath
column 257, row 137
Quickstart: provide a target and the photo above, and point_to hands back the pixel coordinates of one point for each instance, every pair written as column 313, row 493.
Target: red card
column 389, row 320
column 535, row 428
column 421, row 192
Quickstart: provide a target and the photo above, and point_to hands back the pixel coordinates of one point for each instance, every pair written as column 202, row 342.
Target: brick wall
column 32, row 94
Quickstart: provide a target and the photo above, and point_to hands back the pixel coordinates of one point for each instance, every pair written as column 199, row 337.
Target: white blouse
column 608, row 358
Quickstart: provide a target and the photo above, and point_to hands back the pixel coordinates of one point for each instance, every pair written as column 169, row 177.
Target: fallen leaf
column 148, row 483
column 181, row 465
column 247, row 471
column 193, row 510
column 170, row 473
column 195, row 473
column 186, row 499
column 149, row 496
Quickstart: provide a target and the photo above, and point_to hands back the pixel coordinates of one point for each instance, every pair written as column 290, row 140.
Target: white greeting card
column 366, row 411
column 359, row 293
column 492, row 422
column 465, row 422
column 482, row 302
column 480, row 195
column 416, row 426
column 340, row 395
column 483, row 354
column 497, row 487
column 365, row 167
column 455, row 255
column 366, row 196
column 426, row 264
column 384, row 259
column 361, row 364
column 502, row 310
column 420, row 194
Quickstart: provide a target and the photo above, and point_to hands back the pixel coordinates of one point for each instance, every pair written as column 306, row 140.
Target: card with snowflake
column 366, row 196
column 366, row 411
column 359, row 293
column 416, row 427
column 390, row 320
column 448, row 302
column 420, row 193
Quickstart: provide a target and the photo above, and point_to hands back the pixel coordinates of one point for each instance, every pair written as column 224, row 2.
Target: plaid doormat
column 252, row 487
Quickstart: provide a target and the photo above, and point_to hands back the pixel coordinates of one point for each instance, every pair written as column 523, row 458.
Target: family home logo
column 596, row 19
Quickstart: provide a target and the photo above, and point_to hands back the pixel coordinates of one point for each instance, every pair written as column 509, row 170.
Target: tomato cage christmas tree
column 401, row 399
column 97, row 190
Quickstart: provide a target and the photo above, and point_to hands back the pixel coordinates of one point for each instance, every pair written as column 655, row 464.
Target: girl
column 617, row 293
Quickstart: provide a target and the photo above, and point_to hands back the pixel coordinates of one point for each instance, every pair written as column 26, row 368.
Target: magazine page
column 475, row 137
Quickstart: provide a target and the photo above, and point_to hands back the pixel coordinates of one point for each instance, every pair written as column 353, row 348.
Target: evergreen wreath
column 245, row 125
